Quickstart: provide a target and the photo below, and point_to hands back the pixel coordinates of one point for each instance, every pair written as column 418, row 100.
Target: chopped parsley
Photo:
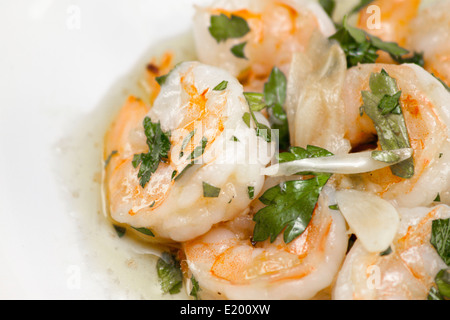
column 387, row 252
column 209, row 191
column 238, row 50
column 169, row 273
column 334, row 207
column 440, row 238
column 193, row 157
column 195, row 288
column 251, row 192
column 290, row 205
column 223, row 28
column 221, row 86
column 361, row 47
column 120, row 231
column 438, row 198
column 273, row 99
column 145, row 231
column 382, row 105
column 158, row 143
column 186, row 141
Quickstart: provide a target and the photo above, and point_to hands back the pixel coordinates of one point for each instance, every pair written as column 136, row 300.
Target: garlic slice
column 373, row 220
column 352, row 163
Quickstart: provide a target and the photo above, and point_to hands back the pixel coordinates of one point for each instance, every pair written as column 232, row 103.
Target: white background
column 59, row 62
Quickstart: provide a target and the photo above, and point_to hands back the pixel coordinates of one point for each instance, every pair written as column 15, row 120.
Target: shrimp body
column 423, row 30
column 203, row 122
column 406, row 273
column 430, row 34
column 277, row 30
column 424, row 102
column 227, row 265
column 324, row 109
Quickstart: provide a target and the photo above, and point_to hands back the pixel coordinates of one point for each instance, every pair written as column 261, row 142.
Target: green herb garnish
column 209, row 191
column 145, row 231
column 361, row 5
column 120, row 230
column 169, row 273
column 251, row 192
column 361, row 47
column 238, row 50
column 186, row 141
column 440, row 238
column 195, row 288
column 290, row 205
column 223, row 28
column 273, row 99
column 387, row 252
column 221, row 86
column 390, row 126
column 158, row 143
column 443, row 282
column 334, row 207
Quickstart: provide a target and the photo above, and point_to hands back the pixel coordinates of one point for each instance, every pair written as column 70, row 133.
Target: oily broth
column 124, row 267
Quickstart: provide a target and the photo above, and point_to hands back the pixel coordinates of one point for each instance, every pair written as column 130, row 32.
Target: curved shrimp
column 420, row 30
column 205, row 123
column 228, row 266
column 424, row 103
column 406, row 273
column 425, row 107
column 278, row 28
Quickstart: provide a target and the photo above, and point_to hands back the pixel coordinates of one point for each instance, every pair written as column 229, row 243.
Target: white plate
column 64, row 68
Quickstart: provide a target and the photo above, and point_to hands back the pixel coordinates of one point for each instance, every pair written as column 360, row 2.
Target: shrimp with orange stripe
column 419, row 103
column 422, row 28
column 228, row 264
column 201, row 160
column 270, row 32
column 406, row 271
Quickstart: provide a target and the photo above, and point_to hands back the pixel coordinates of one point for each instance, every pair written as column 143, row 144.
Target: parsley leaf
column 251, row 192
column 328, row 6
column 223, row 28
column 195, row 288
column 440, row 238
column 361, row 47
column 290, row 205
column 382, row 105
column 273, row 99
column 238, row 50
column 209, row 191
column 221, row 86
column 159, row 146
column 275, row 96
column 169, row 273
column 120, row 231
column 416, row 58
column 443, row 282
column 145, row 231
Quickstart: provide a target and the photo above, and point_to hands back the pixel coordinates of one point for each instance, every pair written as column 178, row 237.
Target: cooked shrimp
column 424, row 102
column 419, row 30
column 228, row 266
column 278, row 28
column 430, row 34
column 425, row 106
column 406, row 273
column 173, row 204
